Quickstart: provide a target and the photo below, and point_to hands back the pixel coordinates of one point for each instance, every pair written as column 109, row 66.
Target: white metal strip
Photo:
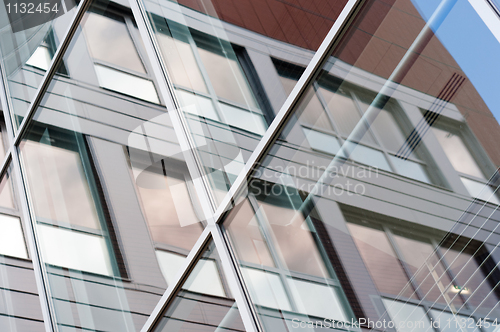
column 56, row 60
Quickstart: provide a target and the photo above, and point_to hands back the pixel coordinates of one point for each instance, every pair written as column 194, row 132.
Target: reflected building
column 251, row 166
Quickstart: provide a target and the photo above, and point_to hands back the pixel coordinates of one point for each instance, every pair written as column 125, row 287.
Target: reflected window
column 465, row 163
column 70, row 220
column 209, row 78
column 281, row 256
column 379, row 257
column 171, row 210
column 117, row 62
column 168, row 207
column 413, row 268
column 330, row 111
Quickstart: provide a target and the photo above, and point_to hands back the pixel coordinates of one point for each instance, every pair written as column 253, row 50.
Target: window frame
column 115, row 13
column 463, row 132
column 197, row 39
column 283, row 273
column 424, row 160
column 74, row 141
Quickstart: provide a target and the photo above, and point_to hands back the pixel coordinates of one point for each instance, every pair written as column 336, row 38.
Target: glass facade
column 260, row 166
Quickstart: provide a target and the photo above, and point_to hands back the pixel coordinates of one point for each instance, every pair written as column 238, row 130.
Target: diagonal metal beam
column 274, row 130
column 229, row 262
column 56, row 61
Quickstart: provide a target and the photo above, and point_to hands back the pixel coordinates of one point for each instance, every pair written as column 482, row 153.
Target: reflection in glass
column 110, row 41
column 20, row 308
column 379, row 258
column 168, row 207
column 11, row 237
column 227, row 77
column 26, row 55
column 202, row 304
column 474, row 276
column 430, row 274
column 480, row 190
column 458, row 154
column 282, row 261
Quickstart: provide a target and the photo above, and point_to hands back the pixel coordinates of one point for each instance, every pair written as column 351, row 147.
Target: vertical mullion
column 14, row 139
column 28, row 219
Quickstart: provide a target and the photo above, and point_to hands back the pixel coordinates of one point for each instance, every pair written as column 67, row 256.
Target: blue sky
column 473, row 46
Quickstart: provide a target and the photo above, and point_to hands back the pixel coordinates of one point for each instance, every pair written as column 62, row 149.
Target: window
column 172, row 212
column 332, row 110
column 117, row 62
column 413, row 273
column 70, row 217
column 456, row 148
column 208, row 76
column 281, row 257
column 42, row 56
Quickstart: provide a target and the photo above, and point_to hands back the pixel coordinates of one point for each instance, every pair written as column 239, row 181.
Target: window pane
column 21, row 52
column 322, row 142
column 295, row 241
column 369, row 156
column 168, row 208
column 125, row 83
column 266, row 289
column 248, row 241
column 243, row 119
column 480, row 190
column 11, row 237
column 6, row 194
column 457, row 153
column 381, row 261
column 311, row 112
column 428, row 270
column 81, row 251
column 41, row 58
column 389, row 131
column 345, row 112
column 410, row 169
column 59, row 185
column 110, row 41
column 407, row 317
column 317, row 299
column 197, row 104
column 479, row 292
column 181, row 62
column 227, row 78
